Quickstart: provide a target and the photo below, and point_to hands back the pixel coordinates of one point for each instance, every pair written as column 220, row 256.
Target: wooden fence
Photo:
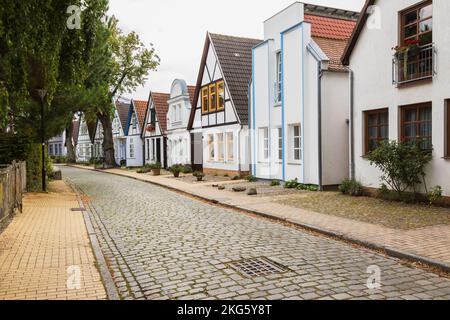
column 13, row 184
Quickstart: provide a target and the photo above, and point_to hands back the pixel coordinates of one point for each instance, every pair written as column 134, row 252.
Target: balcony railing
column 418, row 64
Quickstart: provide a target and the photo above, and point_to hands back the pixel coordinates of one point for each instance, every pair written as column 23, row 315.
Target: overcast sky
column 177, row 29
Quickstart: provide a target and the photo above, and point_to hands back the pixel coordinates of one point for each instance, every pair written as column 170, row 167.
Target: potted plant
column 156, row 168
column 199, row 175
column 406, row 53
column 176, row 169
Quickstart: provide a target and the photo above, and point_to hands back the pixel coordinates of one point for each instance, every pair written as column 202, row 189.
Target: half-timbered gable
column 219, row 121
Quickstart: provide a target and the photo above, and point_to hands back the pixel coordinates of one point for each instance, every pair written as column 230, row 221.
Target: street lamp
column 42, row 94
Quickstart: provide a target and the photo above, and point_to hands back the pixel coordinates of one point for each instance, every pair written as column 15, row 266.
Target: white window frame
column 278, row 82
column 131, row 149
column 228, row 147
column 264, row 144
column 293, row 138
column 280, row 151
column 221, row 147
column 211, row 147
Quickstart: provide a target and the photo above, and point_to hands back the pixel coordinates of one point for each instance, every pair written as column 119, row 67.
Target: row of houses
column 309, row 101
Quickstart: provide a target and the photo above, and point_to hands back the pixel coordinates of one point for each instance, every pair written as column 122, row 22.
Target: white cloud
column 177, row 29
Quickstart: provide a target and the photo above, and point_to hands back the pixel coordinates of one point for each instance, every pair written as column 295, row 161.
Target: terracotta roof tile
column 141, row 110
column 331, row 35
column 334, row 49
column 191, row 90
column 235, row 57
column 123, row 110
column 330, row 28
column 161, row 108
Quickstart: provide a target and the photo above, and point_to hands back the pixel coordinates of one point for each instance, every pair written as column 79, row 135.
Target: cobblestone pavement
column 162, row 245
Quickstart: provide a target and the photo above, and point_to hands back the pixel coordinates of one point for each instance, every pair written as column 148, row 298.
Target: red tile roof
column 330, row 28
column 191, row 90
column 331, row 35
column 161, row 108
column 141, row 110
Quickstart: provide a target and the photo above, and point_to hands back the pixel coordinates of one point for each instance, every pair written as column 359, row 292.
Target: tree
column 122, row 63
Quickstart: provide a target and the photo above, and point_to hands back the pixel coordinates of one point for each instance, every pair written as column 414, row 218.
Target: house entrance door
column 158, row 150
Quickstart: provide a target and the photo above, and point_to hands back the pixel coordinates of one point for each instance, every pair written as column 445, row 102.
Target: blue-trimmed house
column 300, row 96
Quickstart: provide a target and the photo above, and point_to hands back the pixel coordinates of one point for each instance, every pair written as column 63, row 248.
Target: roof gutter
column 351, row 123
column 320, row 71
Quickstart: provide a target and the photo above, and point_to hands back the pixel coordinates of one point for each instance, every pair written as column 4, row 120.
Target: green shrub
column 251, row 178
column 434, row 195
column 187, row 169
column 176, row 169
column 154, row 166
column 275, row 183
column 226, row 175
column 402, row 164
column 313, row 188
column 236, row 177
column 351, row 188
column 199, row 175
column 291, row 184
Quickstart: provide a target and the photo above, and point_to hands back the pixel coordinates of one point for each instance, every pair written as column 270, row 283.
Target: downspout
column 319, row 120
column 352, row 131
column 249, row 99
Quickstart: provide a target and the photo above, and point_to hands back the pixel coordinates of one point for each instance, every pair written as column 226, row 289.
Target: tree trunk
column 71, row 158
column 108, row 142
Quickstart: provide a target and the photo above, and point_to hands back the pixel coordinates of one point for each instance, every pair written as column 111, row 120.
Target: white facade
column 374, row 88
column 97, row 148
column 155, row 141
column 57, row 145
column 178, row 137
column 221, row 138
column 84, row 145
column 119, row 138
column 134, row 145
column 285, row 104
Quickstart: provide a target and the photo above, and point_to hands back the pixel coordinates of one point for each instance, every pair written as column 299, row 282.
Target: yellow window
column 205, row 100
column 221, row 95
column 212, row 98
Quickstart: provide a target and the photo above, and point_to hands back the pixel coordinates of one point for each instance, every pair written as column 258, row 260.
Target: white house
column 154, row 131
column 119, row 123
column 405, row 96
column 85, row 139
column 133, row 130
column 300, row 96
column 219, row 121
column 97, row 148
column 57, row 145
column 178, row 137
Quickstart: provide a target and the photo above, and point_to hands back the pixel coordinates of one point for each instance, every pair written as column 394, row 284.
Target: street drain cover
column 78, row 209
column 255, row 267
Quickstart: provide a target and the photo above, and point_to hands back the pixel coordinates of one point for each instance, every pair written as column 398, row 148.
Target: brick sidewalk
column 39, row 246
column 431, row 243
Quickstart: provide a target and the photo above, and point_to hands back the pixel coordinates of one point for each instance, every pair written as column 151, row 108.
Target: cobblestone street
column 162, row 245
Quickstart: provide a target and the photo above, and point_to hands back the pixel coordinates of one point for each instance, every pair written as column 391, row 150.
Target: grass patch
column 390, row 214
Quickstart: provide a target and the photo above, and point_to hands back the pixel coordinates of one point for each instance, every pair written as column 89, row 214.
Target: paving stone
column 174, row 243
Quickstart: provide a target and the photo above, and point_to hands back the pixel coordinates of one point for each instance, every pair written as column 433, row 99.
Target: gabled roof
column 161, row 108
column 191, row 90
column 122, row 111
column 356, row 32
column 331, row 34
column 234, row 55
column 75, row 131
column 141, row 109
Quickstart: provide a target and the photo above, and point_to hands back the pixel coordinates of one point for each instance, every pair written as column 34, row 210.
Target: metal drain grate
column 255, row 267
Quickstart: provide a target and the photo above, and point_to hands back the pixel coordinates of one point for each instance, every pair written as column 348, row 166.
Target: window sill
column 277, row 105
column 294, row 163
